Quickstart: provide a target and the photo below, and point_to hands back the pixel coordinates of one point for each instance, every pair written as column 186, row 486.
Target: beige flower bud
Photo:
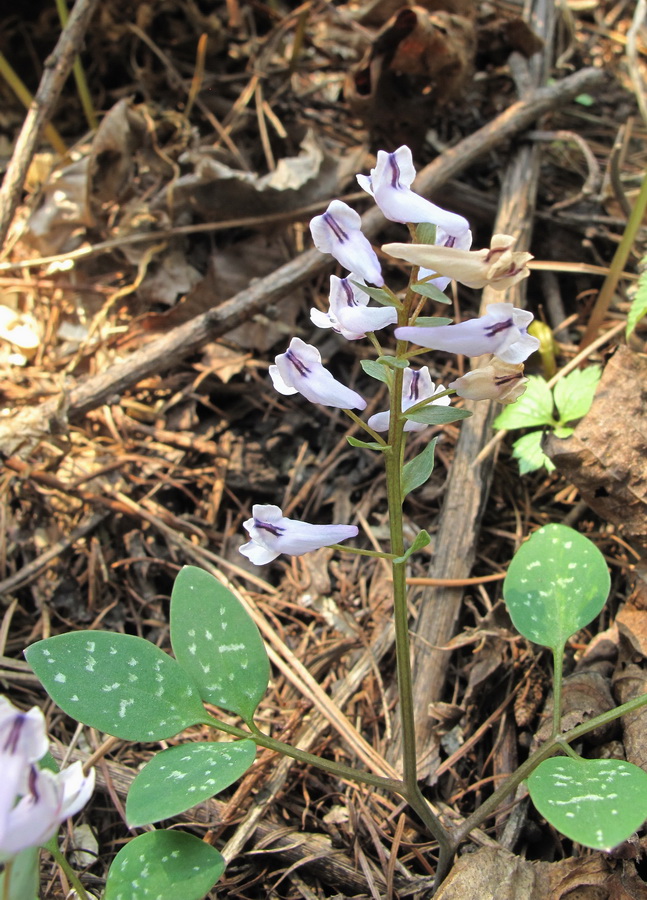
column 500, row 266
column 498, row 380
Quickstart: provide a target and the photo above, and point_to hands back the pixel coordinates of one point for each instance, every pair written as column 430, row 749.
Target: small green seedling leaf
column 574, row 393
column 217, row 643
column 167, row 865
column 534, row 407
column 427, row 289
column 438, row 415
column 367, row 445
column 556, row 584
column 432, row 321
column 118, row 683
column 528, row 450
column 176, row 779
column 375, row 370
column 425, row 233
column 418, row 470
column 597, row 802
column 638, row 308
column 422, row 539
column 378, row 294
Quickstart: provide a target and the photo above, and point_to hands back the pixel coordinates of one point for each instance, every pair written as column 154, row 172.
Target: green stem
column 617, row 265
column 356, row 419
column 334, row 768
column 544, row 752
column 71, row 875
column 558, row 660
column 6, row 892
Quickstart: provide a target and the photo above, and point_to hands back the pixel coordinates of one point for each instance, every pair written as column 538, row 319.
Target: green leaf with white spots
column 556, row 584
column 597, row 802
column 176, row 779
column 118, row 683
column 164, row 865
column 215, row 640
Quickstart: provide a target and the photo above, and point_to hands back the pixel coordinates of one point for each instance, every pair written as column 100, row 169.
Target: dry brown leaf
column 628, row 685
column 632, row 623
column 496, row 874
column 584, row 695
column 605, row 458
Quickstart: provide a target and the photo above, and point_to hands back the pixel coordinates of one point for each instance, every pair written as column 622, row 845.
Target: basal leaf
column 375, row 370
column 438, row 415
column 217, row 643
column 534, row 407
column 427, row 289
column 597, row 802
column 164, row 865
column 527, row 449
column 556, row 584
column 118, row 683
column 418, row 470
column 574, row 393
column 178, row 778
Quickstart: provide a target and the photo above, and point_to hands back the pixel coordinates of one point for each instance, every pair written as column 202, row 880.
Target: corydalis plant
column 126, row 686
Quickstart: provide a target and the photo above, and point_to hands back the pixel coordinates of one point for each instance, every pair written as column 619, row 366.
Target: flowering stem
column 359, row 552
column 70, row 874
column 6, row 892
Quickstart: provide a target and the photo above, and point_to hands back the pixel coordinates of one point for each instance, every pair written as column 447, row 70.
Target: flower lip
column 338, row 231
column 299, row 370
column 349, row 313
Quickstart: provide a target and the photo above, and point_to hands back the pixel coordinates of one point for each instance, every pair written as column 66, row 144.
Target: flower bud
column 498, row 380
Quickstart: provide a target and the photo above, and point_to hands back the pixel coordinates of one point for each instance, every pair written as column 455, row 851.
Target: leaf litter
column 171, row 214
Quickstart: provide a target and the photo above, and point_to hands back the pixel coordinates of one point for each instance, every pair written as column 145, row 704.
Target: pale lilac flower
column 416, row 386
column 497, row 380
column 50, row 798
column 444, row 239
column 390, row 184
column 349, row 313
column 272, row 533
column 299, row 370
column 46, row 798
column 502, row 331
column 338, row 231
column 499, row 265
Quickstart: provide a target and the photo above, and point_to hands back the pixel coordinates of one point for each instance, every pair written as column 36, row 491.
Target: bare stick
column 57, row 67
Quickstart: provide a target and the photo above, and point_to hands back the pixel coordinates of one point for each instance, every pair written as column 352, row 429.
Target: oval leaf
column 176, row 779
column 118, row 683
column 217, row 643
column 597, row 802
column 418, row 470
column 556, row 584
column 438, row 415
column 170, row 865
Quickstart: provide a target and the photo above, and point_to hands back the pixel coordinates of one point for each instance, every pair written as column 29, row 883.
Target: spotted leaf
column 597, row 802
column 118, row 683
column 217, row 643
column 556, row 584
column 164, row 865
column 176, row 779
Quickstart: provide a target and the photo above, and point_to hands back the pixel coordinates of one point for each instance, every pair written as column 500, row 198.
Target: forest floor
column 145, row 294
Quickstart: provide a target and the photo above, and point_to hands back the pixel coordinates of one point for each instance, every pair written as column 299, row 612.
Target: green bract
column 178, row 778
column 556, row 584
column 597, row 802
column 169, row 865
column 217, row 643
column 118, row 683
